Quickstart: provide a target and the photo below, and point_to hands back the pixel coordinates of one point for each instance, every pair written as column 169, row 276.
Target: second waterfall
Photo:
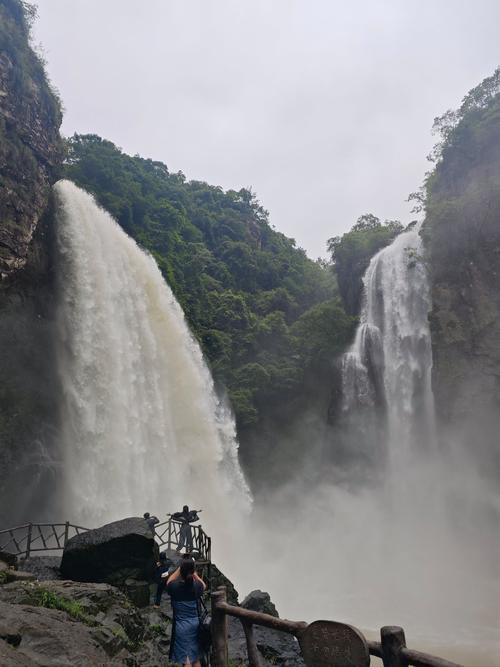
column 142, row 427
column 386, row 373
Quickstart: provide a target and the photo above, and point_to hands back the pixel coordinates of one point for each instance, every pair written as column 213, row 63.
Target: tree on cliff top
column 243, row 286
column 351, row 254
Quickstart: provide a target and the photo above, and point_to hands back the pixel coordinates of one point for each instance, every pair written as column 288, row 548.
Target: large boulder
column 39, row 636
column 113, row 553
column 260, row 601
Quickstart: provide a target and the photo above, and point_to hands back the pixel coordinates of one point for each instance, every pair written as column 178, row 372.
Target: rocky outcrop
column 260, row 601
column 30, row 146
column 462, row 235
column 113, row 553
column 70, row 623
column 59, row 622
column 30, row 152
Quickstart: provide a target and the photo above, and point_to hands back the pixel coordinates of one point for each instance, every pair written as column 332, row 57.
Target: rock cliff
column 462, row 233
column 30, row 146
column 30, row 152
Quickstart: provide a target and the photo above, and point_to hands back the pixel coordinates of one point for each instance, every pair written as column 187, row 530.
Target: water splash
column 142, row 427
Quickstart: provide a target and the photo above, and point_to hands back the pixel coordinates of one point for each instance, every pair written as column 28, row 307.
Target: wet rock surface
column 43, row 567
column 76, row 623
column 30, row 146
column 115, row 552
column 276, row 648
column 60, row 622
column 260, row 601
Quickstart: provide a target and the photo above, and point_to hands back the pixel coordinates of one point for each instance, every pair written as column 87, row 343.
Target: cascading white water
column 389, row 363
column 411, row 540
column 143, row 429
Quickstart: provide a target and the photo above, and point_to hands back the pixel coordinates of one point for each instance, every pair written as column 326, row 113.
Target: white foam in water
column 143, row 429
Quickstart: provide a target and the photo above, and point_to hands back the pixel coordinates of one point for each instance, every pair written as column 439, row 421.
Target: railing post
column 392, row 641
column 209, row 566
column 169, row 538
column 66, row 532
column 252, row 651
column 219, row 630
column 28, row 541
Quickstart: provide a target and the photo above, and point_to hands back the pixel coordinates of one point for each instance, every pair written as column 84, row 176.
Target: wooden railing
column 30, row 537
column 168, row 535
column 322, row 643
column 34, row 537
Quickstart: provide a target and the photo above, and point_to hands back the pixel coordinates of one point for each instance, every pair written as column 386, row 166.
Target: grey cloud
column 323, row 107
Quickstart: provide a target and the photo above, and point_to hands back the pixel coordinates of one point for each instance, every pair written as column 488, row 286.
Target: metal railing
column 322, row 643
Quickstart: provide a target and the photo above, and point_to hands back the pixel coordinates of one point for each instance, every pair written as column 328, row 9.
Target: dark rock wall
column 30, row 146
column 29, row 385
column 462, row 234
column 30, row 152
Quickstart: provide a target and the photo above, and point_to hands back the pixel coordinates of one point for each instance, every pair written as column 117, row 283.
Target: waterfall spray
column 413, row 537
column 142, row 427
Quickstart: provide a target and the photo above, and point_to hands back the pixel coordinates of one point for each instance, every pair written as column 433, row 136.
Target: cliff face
column 30, row 151
column 30, row 146
column 462, row 232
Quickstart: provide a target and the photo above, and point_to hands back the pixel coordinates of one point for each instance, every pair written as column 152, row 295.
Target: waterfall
column 401, row 528
column 142, row 427
column 389, row 364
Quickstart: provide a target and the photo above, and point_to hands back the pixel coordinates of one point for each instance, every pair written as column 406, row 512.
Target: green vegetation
column 264, row 313
column 461, row 198
column 455, row 126
column 351, row 254
column 27, row 66
column 159, row 629
column 45, row 598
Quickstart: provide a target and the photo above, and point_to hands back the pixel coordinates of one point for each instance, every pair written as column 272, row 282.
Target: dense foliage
column 461, row 197
column 461, row 194
column 27, row 68
column 264, row 313
column 351, row 254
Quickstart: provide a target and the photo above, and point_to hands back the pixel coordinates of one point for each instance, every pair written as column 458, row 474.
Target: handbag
column 204, row 628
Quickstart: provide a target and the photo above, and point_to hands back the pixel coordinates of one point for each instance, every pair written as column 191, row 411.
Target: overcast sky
column 323, row 107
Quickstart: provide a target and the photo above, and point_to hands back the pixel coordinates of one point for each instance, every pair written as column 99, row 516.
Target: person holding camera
column 186, row 517
column 185, row 588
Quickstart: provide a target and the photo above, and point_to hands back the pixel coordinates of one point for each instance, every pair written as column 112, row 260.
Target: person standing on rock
column 151, row 521
column 186, row 517
column 185, row 588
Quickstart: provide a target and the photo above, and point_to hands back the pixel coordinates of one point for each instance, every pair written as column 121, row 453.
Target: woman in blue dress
column 185, row 588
